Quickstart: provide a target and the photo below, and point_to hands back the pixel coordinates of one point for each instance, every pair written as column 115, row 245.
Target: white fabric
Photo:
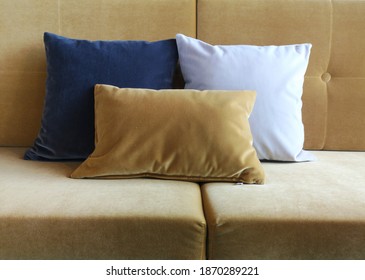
column 276, row 73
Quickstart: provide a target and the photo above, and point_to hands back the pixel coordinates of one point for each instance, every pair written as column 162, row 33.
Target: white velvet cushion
column 276, row 73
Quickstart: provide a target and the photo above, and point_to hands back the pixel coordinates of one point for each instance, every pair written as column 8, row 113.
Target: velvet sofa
column 312, row 209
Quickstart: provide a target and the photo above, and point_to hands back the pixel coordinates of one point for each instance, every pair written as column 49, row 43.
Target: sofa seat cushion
column 312, row 210
column 44, row 214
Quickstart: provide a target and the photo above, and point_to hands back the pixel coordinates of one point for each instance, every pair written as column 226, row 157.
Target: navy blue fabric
column 73, row 68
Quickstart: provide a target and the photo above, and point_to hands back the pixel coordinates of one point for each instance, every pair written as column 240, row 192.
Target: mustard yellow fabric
column 22, row 55
column 173, row 134
column 309, row 211
column 304, row 211
column 333, row 99
column 46, row 215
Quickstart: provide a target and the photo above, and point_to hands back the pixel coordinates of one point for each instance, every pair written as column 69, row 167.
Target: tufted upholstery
column 334, row 89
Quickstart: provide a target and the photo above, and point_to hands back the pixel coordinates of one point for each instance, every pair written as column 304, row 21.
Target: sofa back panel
column 22, row 67
column 22, row 56
column 346, row 89
column 334, row 88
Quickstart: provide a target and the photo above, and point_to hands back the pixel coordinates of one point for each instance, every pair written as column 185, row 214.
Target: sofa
column 310, row 209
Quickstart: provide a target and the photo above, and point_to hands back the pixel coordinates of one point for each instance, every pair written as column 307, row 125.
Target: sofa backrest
column 334, row 89
column 22, row 55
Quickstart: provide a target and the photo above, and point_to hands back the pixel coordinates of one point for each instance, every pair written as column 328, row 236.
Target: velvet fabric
column 333, row 98
column 307, row 211
column 46, row 215
column 73, row 68
column 311, row 210
column 22, row 59
column 304, row 211
column 173, row 134
column 334, row 84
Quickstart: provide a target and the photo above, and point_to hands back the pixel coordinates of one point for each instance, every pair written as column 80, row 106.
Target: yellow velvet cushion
column 172, row 134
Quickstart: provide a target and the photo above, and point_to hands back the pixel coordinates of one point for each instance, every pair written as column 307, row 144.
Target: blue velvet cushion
column 73, row 68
